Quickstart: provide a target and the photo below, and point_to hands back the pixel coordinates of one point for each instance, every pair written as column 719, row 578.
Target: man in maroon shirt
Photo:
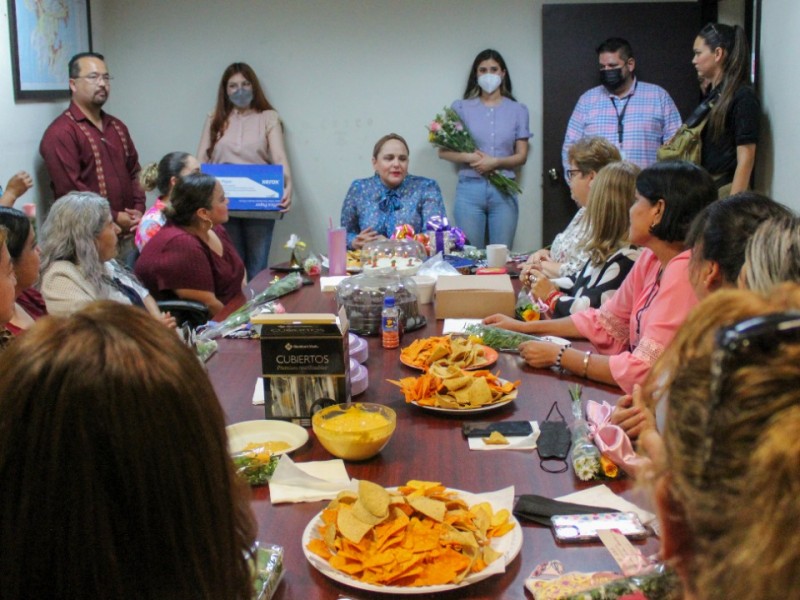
column 87, row 149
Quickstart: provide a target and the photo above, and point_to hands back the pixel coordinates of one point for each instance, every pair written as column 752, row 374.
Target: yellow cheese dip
column 355, row 419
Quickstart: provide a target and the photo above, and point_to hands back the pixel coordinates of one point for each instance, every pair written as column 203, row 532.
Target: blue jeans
column 252, row 239
column 480, row 209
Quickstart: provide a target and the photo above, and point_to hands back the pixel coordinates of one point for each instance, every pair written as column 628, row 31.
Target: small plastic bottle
column 390, row 324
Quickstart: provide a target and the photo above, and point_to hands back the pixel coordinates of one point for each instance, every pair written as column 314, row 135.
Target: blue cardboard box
column 249, row 187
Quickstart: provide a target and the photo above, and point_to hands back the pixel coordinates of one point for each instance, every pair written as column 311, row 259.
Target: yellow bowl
column 354, row 432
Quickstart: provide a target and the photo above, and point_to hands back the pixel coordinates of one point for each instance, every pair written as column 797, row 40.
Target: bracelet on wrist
column 560, row 355
column 586, row 358
column 551, row 300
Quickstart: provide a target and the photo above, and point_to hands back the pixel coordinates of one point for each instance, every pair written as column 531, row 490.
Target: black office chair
column 186, row 311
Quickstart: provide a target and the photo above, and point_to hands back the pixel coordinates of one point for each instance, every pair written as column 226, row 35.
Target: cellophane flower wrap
column 587, row 460
column 585, row 455
column 449, row 132
column 278, row 288
column 406, row 232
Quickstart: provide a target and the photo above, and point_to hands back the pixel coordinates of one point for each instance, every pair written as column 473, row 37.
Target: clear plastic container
column 362, row 297
column 403, row 257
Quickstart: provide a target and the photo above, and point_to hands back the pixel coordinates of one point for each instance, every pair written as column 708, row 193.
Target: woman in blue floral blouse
column 375, row 206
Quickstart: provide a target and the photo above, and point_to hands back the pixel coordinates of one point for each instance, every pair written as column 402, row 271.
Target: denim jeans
column 252, row 239
column 480, row 209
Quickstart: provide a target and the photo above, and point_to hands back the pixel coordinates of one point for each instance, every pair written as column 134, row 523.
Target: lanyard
column 621, row 115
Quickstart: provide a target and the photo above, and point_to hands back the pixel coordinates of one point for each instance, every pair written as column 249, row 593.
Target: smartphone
column 507, row 428
column 583, row 528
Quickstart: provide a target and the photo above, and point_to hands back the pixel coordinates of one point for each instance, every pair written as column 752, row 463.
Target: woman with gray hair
column 78, row 267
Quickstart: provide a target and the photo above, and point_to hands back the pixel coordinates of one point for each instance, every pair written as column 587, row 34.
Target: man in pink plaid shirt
column 635, row 116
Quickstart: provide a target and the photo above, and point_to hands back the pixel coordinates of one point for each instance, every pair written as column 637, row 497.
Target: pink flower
column 459, row 127
column 435, row 126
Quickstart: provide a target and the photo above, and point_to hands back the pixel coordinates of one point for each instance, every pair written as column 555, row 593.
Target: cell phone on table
column 507, row 428
column 584, row 528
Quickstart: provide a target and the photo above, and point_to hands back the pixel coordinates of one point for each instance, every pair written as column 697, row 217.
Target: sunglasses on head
column 733, row 345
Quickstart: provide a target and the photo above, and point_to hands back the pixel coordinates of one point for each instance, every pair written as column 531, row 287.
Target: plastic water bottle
column 390, row 324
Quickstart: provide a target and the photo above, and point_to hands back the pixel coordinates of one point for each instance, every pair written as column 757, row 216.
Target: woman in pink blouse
column 631, row 330
column 244, row 129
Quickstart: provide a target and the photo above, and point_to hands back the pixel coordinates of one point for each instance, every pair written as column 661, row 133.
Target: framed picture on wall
column 44, row 36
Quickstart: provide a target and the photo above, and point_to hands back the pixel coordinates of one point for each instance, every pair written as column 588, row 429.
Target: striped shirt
column 648, row 114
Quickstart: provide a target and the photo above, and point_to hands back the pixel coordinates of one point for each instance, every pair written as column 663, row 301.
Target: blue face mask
column 241, row 98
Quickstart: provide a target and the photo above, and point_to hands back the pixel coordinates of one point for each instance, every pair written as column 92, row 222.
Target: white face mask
column 489, row 82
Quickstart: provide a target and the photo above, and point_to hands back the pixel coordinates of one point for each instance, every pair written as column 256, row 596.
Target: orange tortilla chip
column 427, row 536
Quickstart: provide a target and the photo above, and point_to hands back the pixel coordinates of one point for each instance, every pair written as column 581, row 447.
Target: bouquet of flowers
column 587, row 461
column 448, row 132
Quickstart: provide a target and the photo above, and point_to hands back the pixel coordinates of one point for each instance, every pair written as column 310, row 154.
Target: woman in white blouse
column 566, row 255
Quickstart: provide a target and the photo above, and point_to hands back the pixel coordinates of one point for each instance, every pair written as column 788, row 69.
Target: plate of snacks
column 256, row 445
column 354, row 261
column 458, row 351
column 419, row 538
column 449, row 389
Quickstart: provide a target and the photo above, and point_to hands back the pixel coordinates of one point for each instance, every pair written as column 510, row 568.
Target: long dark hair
column 224, row 106
column 724, row 228
column 735, row 68
column 192, row 192
column 159, row 175
column 113, row 456
column 19, row 228
column 473, row 90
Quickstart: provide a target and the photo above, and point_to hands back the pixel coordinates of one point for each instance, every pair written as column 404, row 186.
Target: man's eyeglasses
column 570, row 173
column 95, row 78
column 762, row 334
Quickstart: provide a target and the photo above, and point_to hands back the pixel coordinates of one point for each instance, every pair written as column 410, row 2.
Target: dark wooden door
column 661, row 35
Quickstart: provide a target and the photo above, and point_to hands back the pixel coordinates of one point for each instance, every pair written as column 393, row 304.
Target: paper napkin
column 516, row 442
column 309, row 481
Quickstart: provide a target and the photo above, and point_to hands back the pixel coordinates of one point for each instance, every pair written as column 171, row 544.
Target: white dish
column 248, row 432
column 508, row 545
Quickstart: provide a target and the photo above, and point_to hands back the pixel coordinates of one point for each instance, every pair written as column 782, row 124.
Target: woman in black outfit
column 721, row 56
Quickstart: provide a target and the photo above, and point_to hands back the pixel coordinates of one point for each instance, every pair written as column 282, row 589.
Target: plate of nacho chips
column 354, row 261
column 419, row 538
column 446, row 350
column 450, row 389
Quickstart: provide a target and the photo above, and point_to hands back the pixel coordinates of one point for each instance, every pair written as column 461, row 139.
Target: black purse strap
column 702, row 111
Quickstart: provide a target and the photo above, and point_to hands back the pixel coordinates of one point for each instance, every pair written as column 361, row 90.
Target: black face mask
column 612, row 79
column 554, row 441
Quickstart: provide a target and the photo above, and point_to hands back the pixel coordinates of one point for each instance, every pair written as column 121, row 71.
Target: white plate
column 248, row 432
column 509, row 545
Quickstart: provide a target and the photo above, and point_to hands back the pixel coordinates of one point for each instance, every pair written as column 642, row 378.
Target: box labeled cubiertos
column 304, row 357
column 473, row 296
column 249, row 187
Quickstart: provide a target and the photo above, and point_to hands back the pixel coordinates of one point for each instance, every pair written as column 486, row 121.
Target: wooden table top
column 427, row 446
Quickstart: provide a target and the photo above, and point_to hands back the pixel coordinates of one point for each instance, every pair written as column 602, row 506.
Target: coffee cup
column 496, row 255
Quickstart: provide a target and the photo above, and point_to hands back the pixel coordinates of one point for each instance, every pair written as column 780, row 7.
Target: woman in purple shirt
column 499, row 126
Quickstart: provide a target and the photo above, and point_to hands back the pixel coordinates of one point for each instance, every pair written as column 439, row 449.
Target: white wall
column 341, row 75
column 780, row 90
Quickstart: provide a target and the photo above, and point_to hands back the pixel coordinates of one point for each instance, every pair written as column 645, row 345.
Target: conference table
column 426, row 446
